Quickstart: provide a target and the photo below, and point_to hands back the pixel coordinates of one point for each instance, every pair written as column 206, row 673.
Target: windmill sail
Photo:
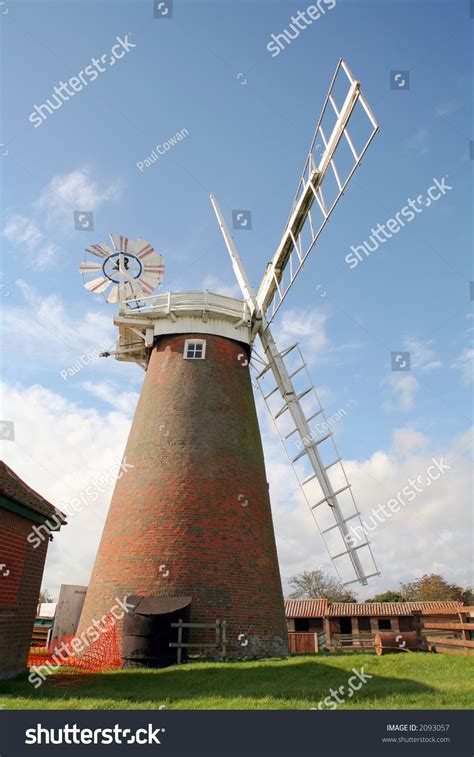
column 309, row 444
column 332, row 160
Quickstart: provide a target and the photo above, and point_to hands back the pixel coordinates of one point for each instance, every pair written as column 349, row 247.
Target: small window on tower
column 194, row 349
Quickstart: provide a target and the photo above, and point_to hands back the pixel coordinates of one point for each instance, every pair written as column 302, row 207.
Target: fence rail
column 220, row 643
column 351, row 642
column 451, row 637
column 40, row 636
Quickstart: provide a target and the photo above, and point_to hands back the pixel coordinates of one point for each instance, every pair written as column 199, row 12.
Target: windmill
column 192, row 518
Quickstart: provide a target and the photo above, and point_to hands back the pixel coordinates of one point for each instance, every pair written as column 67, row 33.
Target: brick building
column 347, row 625
column 305, row 615
column 21, row 565
column 370, row 617
column 191, row 517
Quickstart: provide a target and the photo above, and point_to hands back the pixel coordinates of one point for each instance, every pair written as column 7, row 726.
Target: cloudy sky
column 249, row 117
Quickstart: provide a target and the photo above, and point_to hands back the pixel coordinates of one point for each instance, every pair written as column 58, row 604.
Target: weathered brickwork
column 192, row 517
column 19, row 591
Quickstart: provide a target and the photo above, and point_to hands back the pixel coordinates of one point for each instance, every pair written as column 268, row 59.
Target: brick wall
column 19, row 591
column 193, row 515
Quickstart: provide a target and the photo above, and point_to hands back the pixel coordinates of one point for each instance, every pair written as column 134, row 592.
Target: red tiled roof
column 12, row 487
column 320, row 608
column 339, row 609
column 306, row 608
column 438, row 608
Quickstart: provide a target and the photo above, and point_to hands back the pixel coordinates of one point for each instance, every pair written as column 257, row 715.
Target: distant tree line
column 316, row 584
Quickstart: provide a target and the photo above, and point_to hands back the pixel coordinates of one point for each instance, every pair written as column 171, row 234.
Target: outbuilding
column 347, row 626
column 22, row 558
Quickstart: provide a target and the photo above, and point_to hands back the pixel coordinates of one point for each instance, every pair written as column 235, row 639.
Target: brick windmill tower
column 191, row 520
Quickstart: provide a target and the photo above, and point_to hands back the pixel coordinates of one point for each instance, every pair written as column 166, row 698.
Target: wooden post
column 218, row 636
column 328, row 633
column 417, row 626
column 463, row 619
column 223, row 639
column 180, row 641
column 316, row 642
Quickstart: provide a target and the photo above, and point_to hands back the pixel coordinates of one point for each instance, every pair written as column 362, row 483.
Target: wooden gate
column 303, row 643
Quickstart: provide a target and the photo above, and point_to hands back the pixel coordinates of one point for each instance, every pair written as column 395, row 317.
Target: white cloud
column 59, row 332
column 73, row 191
column 20, row 230
column 419, row 141
column 303, row 324
column 422, row 355
column 58, row 448
column 446, row 107
column 465, row 364
column 107, row 391
column 217, row 286
column 29, row 241
column 418, row 539
column 403, row 387
column 408, row 440
column 34, row 234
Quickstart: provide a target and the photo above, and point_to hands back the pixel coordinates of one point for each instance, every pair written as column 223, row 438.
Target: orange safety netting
column 94, row 657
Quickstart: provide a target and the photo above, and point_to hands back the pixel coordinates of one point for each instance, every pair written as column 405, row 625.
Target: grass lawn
column 408, row 681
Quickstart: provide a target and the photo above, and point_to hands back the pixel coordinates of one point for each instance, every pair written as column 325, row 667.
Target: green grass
column 408, row 681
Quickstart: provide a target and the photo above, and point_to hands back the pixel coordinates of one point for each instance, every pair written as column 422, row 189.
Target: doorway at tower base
column 150, row 635
column 147, row 631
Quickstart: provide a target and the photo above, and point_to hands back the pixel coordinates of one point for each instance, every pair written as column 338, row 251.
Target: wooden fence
column 352, row 642
column 447, row 637
column 220, row 643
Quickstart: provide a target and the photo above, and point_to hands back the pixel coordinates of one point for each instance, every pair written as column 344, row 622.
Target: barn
column 354, row 625
column 345, row 626
column 26, row 524
column 305, row 621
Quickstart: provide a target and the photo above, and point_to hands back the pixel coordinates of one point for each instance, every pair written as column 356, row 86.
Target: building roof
column 12, row 487
column 46, row 609
column 320, row 608
column 338, row 609
column 306, row 608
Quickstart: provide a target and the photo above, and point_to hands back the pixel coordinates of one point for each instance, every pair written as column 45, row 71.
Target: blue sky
column 250, row 118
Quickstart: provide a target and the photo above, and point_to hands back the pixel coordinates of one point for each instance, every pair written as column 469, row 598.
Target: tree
column 316, row 584
column 45, row 596
column 433, row 588
column 387, row 596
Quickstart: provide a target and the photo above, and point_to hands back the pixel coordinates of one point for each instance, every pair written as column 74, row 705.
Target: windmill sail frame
column 309, row 444
column 303, row 229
